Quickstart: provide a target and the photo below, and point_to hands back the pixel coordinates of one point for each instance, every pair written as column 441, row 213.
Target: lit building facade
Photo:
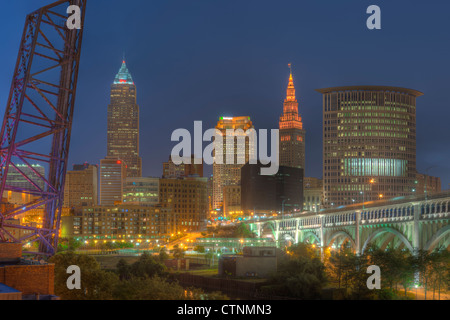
column 187, row 200
column 173, row 171
column 123, row 123
column 312, row 194
column 112, row 180
column 227, row 174
column 369, row 143
column 292, row 134
column 17, row 180
column 121, row 222
column 426, row 184
column 81, row 187
column 232, row 201
column 142, row 191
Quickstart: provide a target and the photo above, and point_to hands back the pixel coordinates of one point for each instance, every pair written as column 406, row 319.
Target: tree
column 163, row 256
column 147, row 266
column 397, row 267
column 157, row 288
column 200, row 249
column 440, row 270
column 243, row 231
column 178, row 253
column 301, row 276
column 68, row 244
column 123, row 269
column 96, row 284
column 422, row 266
column 146, row 288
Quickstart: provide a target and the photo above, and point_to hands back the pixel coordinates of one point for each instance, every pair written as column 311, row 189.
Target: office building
column 112, row 180
column 226, row 173
column 312, row 194
column 123, row 123
column 187, row 200
column 279, row 193
column 120, row 222
column 81, row 187
column 17, row 183
column 173, row 171
column 426, row 184
column 292, row 134
column 369, row 143
column 232, row 201
column 142, row 191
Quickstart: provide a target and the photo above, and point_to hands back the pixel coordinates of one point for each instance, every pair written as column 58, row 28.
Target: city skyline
column 333, row 177
column 250, row 80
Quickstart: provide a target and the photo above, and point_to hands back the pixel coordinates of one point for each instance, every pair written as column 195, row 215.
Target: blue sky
column 199, row 60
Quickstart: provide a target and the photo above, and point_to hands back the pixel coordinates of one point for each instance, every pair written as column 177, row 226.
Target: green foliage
column 178, row 253
column 200, row 249
column 96, row 284
column 68, row 244
column 163, row 255
column 123, row 269
column 243, row 231
column 397, row 267
column 147, row 266
column 146, row 279
column 155, row 288
column 302, row 276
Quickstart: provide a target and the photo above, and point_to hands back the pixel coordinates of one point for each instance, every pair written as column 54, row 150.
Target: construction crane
column 37, row 124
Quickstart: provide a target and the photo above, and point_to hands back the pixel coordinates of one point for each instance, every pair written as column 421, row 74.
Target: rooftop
column 5, row 289
column 371, row 88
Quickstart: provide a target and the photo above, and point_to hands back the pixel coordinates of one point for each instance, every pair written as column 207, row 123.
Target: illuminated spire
column 290, row 93
column 290, row 117
column 123, row 76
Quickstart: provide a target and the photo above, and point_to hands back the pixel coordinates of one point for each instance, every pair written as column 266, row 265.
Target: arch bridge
column 421, row 224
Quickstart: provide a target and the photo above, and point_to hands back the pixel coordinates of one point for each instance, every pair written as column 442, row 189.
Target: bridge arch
column 309, row 234
column 341, row 234
column 288, row 239
column 268, row 226
column 431, row 244
column 383, row 230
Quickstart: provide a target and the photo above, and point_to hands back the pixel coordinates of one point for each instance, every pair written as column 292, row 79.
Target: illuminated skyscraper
column 292, row 135
column 369, row 143
column 123, row 123
column 227, row 174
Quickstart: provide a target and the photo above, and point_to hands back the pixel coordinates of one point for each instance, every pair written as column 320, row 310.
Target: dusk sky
column 200, row 60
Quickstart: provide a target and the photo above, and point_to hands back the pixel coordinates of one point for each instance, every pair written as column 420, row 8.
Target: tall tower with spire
column 292, row 135
column 123, row 123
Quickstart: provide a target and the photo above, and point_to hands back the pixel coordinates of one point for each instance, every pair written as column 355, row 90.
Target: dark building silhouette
column 268, row 194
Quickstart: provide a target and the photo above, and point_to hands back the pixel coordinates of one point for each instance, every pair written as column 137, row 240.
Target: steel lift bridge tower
column 37, row 123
